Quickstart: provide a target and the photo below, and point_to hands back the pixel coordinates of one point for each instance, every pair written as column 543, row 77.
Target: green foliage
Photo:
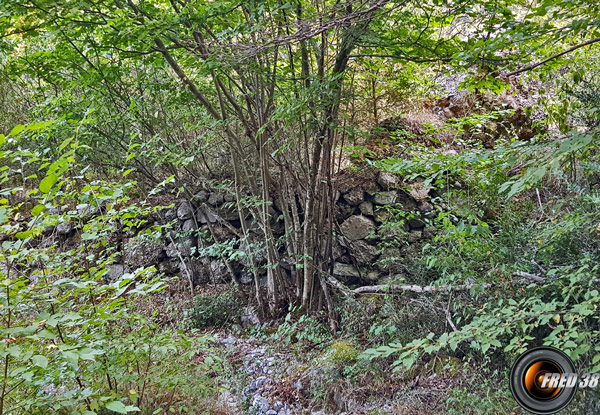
column 72, row 340
column 501, row 324
column 565, row 321
column 215, row 310
column 304, row 330
column 262, row 95
column 463, row 401
column 343, row 352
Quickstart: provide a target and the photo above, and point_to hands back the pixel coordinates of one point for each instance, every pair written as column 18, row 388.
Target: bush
column 71, row 341
column 210, row 310
column 343, row 352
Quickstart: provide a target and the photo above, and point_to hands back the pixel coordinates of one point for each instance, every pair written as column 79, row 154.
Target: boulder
column 182, row 246
column 416, row 224
column 347, row 272
column 185, row 211
column 363, row 253
column 115, row 271
column 387, row 180
column 419, row 191
column 385, row 198
column 407, row 202
column 338, row 250
column 170, row 214
column 48, row 230
column 198, row 267
column 366, row 208
column 201, row 196
column 64, row 228
column 343, row 211
column 354, row 197
column 414, row 236
column 425, row 207
column 188, row 225
column 231, row 213
column 142, row 252
column 357, row 227
column 219, row 273
column 260, row 406
column 205, row 217
column 170, row 266
column 221, row 232
column 215, row 199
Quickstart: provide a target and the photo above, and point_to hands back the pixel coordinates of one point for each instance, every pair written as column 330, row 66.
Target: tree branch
column 558, row 55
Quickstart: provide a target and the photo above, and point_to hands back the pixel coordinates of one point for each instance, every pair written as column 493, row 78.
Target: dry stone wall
column 380, row 225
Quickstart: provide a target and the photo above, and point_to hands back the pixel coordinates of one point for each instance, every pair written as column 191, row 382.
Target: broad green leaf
column 37, row 210
column 88, row 236
column 47, row 182
column 120, row 408
column 17, row 130
column 40, row 361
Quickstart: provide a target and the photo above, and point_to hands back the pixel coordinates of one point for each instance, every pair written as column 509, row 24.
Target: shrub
column 343, row 352
column 210, row 310
column 71, row 342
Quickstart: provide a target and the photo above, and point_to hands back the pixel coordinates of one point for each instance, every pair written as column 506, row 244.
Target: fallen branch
column 376, row 289
column 341, row 287
column 421, row 289
column 527, row 275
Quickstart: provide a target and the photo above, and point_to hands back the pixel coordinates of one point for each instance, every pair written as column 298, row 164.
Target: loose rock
column 249, row 318
column 184, row 211
column 419, row 191
column 387, row 180
column 215, row 199
column 385, row 198
column 64, row 228
column 354, row 197
column 188, row 225
column 201, row 196
column 345, row 270
column 260, row 405
column 142, row 252
column 363, row 252
column 357, row 227
column 115, row 271
column 366, row 208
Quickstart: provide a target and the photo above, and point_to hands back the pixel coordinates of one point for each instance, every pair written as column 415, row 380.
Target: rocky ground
column 270, row 380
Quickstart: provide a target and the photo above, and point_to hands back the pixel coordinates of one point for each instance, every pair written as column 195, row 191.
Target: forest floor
column 287, row 366
column 268, row 379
